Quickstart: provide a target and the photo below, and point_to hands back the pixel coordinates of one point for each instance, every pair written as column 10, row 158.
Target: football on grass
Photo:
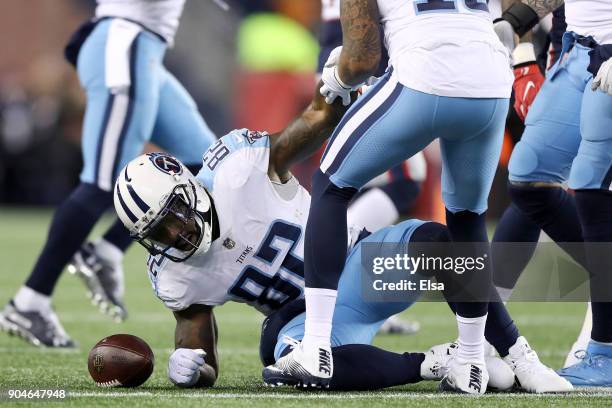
column 120, row 360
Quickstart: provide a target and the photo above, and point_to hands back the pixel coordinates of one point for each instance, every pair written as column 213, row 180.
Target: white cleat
column 465, row 377
column 531, row 374
column 301, row 368
column 435, row 366
column 501, row 376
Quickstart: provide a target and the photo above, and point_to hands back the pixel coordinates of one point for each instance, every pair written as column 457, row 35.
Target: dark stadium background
column 223, row 58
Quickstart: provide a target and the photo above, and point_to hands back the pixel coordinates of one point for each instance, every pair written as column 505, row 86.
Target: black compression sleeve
column 521, row 17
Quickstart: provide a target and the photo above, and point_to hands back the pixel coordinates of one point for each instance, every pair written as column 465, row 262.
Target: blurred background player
column 131, row 99
column 567, row 140
column 397, row 118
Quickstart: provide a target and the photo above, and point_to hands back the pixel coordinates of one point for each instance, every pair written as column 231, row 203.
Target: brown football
column 120, row 360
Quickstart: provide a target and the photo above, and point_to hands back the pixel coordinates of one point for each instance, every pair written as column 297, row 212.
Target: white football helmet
column 155, row 193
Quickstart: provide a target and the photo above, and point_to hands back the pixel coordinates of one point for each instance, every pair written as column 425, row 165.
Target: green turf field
column 551, row 329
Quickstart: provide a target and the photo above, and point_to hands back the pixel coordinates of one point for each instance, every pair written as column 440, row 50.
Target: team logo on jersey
column 166, row 163
column 252, row 136
column 229, row 243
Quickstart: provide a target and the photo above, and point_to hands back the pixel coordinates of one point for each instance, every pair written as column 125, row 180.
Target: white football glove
column 603, row 80
column 184, row 366
column 333, row 86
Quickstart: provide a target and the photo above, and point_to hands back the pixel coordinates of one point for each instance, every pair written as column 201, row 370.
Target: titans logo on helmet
column 165, row 163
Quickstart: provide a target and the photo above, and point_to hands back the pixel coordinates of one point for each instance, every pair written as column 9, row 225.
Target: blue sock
column 595, row 209
column 118, row 235
column 509, row 260
column 473, row 289
column 500, row 329
column 326, row 232
column 72, row 222
column 553, row 210
column 595, row 348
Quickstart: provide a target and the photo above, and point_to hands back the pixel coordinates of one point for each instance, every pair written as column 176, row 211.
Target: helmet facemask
column 182, row 227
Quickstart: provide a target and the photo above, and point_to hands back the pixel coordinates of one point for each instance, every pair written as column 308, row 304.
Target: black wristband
column 521, row 17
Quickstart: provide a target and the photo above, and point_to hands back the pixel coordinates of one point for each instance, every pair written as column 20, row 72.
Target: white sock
column 320, row 304
column 587, row 326
column 471, row 338
column 28, row 300
column 373, row 210
column 108, row 252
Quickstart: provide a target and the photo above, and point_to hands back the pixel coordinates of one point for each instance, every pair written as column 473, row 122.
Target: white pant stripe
column 110, row 141
column 362, row 114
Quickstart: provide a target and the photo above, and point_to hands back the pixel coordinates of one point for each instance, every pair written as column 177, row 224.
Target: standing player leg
column 508, row 258
column 391, row 123
column 115, row 128
column 470, row 153
column 379, row 131
column 591, row 177
column 541, row 161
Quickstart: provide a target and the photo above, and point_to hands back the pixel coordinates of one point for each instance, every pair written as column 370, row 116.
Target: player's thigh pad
column 117, row 125
column 179, row 127
column 552, row 133
column 592, row 167
column 386, row 125
column 471, row 134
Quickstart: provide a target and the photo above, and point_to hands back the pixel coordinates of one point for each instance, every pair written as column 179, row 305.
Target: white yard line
column 321, row 396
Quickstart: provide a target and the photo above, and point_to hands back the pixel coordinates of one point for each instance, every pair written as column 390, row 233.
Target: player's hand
column 184, row 366
column 506, row 35
column 333, row 86
column 528, row 78
column 603, row 79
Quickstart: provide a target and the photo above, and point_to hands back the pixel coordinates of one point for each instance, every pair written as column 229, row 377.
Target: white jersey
column 258, row 257
column 446, row 48
column 590, row 18
column 159, row 16
column 330, row 10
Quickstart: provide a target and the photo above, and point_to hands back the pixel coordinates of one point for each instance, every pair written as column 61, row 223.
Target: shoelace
column 290, row 341
column 531, row 364
column 584, row 355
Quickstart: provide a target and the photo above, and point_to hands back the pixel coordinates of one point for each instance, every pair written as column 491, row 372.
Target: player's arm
column 196, row 330
column 523, row 15
column 543, row 7
column 304, row 136
column 361, row 44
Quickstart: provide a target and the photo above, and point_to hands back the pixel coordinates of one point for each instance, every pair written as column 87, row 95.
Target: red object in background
column 528, row 80
column 270, row 100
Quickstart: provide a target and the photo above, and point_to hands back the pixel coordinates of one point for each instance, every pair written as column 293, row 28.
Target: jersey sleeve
column 234, row 157
column 179, row 285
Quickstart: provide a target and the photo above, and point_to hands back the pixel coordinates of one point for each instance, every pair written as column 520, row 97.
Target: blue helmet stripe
column 129, row 213
column 141, row 204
